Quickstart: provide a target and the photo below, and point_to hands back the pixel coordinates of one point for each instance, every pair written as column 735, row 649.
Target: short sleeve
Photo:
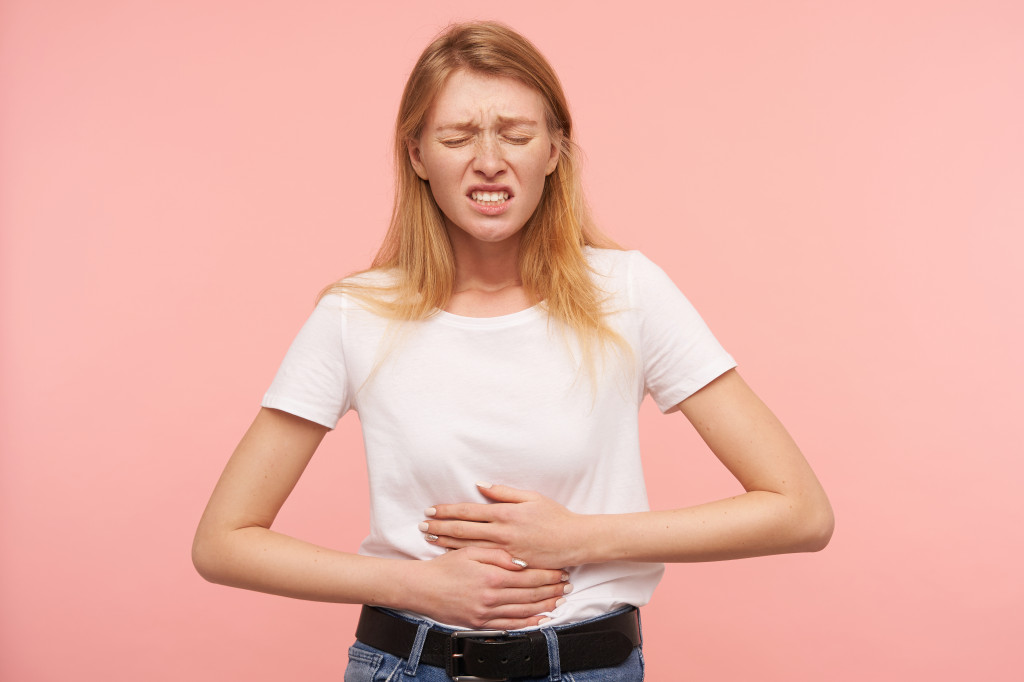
column 680, row 355
column 312, row 382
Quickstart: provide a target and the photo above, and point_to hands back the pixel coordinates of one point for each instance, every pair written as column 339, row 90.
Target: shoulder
column 608, row 262
column 621, row 268
column 381, row 279
column 357, row 289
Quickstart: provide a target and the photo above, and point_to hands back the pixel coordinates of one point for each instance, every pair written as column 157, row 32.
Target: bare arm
column 234, row 545
column 784, row 508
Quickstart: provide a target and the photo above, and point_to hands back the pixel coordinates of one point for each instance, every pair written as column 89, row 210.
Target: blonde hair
column 417, row 253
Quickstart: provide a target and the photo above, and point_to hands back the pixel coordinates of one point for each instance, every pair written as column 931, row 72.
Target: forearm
column 260, row 559
column 474, row 588
column 756, row 523
column 544, row 533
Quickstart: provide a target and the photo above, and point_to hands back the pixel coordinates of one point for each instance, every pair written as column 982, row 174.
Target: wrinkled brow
column 503, row 122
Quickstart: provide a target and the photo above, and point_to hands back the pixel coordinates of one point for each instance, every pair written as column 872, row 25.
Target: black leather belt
column 504, row 655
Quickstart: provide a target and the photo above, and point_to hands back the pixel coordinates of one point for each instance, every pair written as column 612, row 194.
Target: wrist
column 612, row 537
column 589, row 539
column 395, row 584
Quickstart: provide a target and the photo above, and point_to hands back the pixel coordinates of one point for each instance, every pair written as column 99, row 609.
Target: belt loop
column 554, row 662
column 413, row 661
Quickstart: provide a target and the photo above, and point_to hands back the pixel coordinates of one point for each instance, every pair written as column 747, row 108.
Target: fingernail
column 520, row 563
column 424, row 526
column 567, row 589
column 479, row 484
column 429, row 511
column 431, row 537
column 561, row 600
column 565, row 577
column 543, row 620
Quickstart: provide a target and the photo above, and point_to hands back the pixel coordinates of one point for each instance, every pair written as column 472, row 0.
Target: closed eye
column 455, row 142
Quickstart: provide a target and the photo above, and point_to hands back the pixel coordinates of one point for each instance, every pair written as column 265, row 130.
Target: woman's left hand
column 524, row 523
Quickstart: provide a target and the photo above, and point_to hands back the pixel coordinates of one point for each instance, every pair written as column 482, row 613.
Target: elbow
column 816, row 528
column 201, row 558
column 205, row 557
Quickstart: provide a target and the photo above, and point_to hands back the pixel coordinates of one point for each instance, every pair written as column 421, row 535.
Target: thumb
column 504, row 493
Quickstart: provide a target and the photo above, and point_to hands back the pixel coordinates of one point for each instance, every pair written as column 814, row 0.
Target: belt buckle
column 457, row 653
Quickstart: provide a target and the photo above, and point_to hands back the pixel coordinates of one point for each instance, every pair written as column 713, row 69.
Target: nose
column 489, row 160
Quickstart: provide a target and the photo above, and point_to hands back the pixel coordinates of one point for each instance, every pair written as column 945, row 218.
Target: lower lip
column 496, row 209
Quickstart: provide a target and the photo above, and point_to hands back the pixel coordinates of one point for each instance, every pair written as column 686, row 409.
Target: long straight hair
column 417, row 253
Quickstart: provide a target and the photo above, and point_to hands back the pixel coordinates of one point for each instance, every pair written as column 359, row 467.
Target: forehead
column 479, row 99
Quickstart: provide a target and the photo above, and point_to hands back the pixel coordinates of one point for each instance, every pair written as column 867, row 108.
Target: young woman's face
column 485, row 150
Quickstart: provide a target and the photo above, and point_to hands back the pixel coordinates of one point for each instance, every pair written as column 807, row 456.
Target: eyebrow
column 503, row 122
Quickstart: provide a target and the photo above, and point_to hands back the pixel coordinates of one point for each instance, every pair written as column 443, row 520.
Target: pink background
column 838, row 186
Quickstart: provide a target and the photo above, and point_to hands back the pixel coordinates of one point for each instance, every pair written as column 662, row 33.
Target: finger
column 461, row 530
column 532, row 612
column 534, row 595
column 501, row 623
column 508, row 616
column 456, row 543
column 505, row 493
column 518, row 576
column 535, row 577
column 466, row 511
column 507, row 624
column 502, row 559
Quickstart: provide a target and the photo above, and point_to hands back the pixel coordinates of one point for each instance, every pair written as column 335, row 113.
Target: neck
column 485, row 266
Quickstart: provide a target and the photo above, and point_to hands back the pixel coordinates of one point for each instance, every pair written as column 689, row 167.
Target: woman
column 497, row 352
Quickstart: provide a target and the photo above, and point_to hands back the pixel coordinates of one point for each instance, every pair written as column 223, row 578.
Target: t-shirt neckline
column 518, row 317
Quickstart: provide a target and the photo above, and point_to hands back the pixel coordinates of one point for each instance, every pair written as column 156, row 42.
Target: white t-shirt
column 454, row 400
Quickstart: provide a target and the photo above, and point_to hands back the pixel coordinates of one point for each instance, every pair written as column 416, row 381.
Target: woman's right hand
column 482, row 589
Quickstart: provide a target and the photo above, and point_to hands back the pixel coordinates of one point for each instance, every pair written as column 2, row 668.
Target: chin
column 489, row 234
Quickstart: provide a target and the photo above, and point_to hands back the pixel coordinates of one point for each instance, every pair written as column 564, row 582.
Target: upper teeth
column 489, row 196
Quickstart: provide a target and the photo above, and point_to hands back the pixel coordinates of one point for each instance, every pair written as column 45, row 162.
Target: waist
column 600, row 642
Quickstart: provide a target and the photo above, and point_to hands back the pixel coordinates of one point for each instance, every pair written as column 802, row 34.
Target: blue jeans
column 366, row 664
